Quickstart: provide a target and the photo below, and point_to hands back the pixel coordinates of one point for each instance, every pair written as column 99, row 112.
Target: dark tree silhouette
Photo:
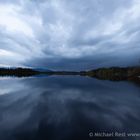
column 19, row 72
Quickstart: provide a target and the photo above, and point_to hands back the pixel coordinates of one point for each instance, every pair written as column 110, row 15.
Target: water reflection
column 68, row 107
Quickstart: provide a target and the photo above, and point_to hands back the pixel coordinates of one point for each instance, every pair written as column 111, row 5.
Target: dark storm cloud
column 74, row 34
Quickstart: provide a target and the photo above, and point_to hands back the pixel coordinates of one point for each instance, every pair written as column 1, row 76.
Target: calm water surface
column 67, row 108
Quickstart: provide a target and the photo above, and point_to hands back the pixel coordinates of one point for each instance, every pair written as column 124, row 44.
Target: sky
column 69, row 34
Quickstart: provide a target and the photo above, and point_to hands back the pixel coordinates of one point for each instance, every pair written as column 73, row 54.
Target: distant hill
column 42, row 69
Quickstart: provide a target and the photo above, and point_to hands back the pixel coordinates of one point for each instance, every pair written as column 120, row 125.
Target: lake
column 68, row 108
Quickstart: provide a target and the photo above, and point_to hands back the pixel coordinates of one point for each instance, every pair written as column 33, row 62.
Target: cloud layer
column 62, row 34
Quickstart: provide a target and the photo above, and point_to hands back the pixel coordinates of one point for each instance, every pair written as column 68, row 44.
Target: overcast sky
column 69, row 34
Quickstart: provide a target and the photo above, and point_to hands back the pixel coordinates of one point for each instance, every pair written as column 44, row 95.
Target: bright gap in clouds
column 6, row 53
column 10, row 20
column 10, row 55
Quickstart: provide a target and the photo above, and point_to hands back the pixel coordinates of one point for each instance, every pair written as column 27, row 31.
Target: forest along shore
column 112, row 73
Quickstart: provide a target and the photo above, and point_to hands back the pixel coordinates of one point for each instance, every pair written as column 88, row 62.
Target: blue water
column 67, row 108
